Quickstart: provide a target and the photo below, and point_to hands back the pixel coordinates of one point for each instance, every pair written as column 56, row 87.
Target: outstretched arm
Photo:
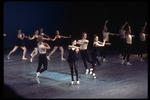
column 65, row 36
column 99, row 45
column 124, row 25
column 105, row 26
column 114, row 34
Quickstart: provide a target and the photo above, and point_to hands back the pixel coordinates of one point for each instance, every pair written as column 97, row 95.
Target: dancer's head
column 74, row 42
column 36, row 32
column 95, row 38
column 19, row 31
column 57, row 32
column 41, row 30
column 84, row 35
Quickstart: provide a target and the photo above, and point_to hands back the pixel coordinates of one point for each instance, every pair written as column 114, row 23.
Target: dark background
column 72, row 18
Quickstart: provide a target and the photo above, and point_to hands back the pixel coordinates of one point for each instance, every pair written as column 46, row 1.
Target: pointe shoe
column 8, row 57
column 94, row 76
column 72, row 82
column 31, row 59
column 63, row 59
column 23, row 58
column 104, row 60
column 78, row 82
column 87, row 70
column 122, row 62
column 48, row 57
column 91, row 71
column 129, row 63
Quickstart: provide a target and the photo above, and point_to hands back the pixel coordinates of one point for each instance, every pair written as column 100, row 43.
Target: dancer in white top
column 83, row 51
column 106, row 34
column 128, row 46
column 142, row 40
column 42, row 47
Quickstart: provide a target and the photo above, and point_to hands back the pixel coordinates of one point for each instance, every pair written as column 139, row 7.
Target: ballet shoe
column 78, row 82
column 72, row 82
column 63, row 59
column 87, row 70
column 8, row 57
column 37, row 81
column 23, row 58
column 48, row 57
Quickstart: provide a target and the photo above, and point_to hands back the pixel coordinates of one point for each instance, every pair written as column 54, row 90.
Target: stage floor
column 113, row 80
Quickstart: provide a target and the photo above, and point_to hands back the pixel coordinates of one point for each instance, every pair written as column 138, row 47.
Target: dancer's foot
column 129, row 63
column 63, row 59
column 8, row 57
column 91, row 71
column 48, row 57
column 31, row 59
column 23, row 58
column 72, row 82
column 122, row 62
column 87, row 70
column 141, row 59
column 78, row 82
column 104, row 60
column 94, row 75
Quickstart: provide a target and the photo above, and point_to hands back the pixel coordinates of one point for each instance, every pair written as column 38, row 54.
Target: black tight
column 94, row 60
column 127, row 52
column 75, row 68
column 42, row 60
column 85, row 56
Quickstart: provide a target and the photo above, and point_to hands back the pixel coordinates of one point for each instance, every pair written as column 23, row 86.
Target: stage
column 113, row 80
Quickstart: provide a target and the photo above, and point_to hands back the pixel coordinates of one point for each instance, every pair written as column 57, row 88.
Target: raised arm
column 124, row 25
column 143, row 30
column 105, row 26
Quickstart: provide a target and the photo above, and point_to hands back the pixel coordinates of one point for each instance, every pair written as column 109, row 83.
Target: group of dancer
column 41, row 46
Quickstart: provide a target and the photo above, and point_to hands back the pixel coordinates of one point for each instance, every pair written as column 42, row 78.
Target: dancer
column 20, row 37
column 83, row 50
column 128, row 46
column 42, row 47
column 142, row 39
column 58, row 43
column 95, row 54
column 107, row 44
column 35, row 51
column 72, row 60
column 122, row 39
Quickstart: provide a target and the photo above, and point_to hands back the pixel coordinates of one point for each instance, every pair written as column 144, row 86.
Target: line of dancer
column 40, row 45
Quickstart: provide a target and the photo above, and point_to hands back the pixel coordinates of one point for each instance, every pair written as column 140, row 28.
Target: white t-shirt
column 41, row 49
column 129, row 39
column 84, row 45
column 142, row 37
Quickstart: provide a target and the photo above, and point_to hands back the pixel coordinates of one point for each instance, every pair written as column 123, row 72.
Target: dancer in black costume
column 95, row 54
column 19, row 43
column 72, row 60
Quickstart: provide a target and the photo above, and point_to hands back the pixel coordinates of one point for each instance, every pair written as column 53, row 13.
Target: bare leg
column 62, row 52
column 55, row 48
column 33, row 55
column 14, row 49
column 32, row 52
column 24, row 52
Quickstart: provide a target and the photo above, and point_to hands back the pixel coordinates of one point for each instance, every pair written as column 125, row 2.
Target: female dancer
column 42, row 47
column 72, row 60
column 95, row 54
column 142, row 36
column 107, row 44
column 35, row 51
column 83, row 50
column 122, row 39
column 58, row 43
column 128, row 46
column 20, row 37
